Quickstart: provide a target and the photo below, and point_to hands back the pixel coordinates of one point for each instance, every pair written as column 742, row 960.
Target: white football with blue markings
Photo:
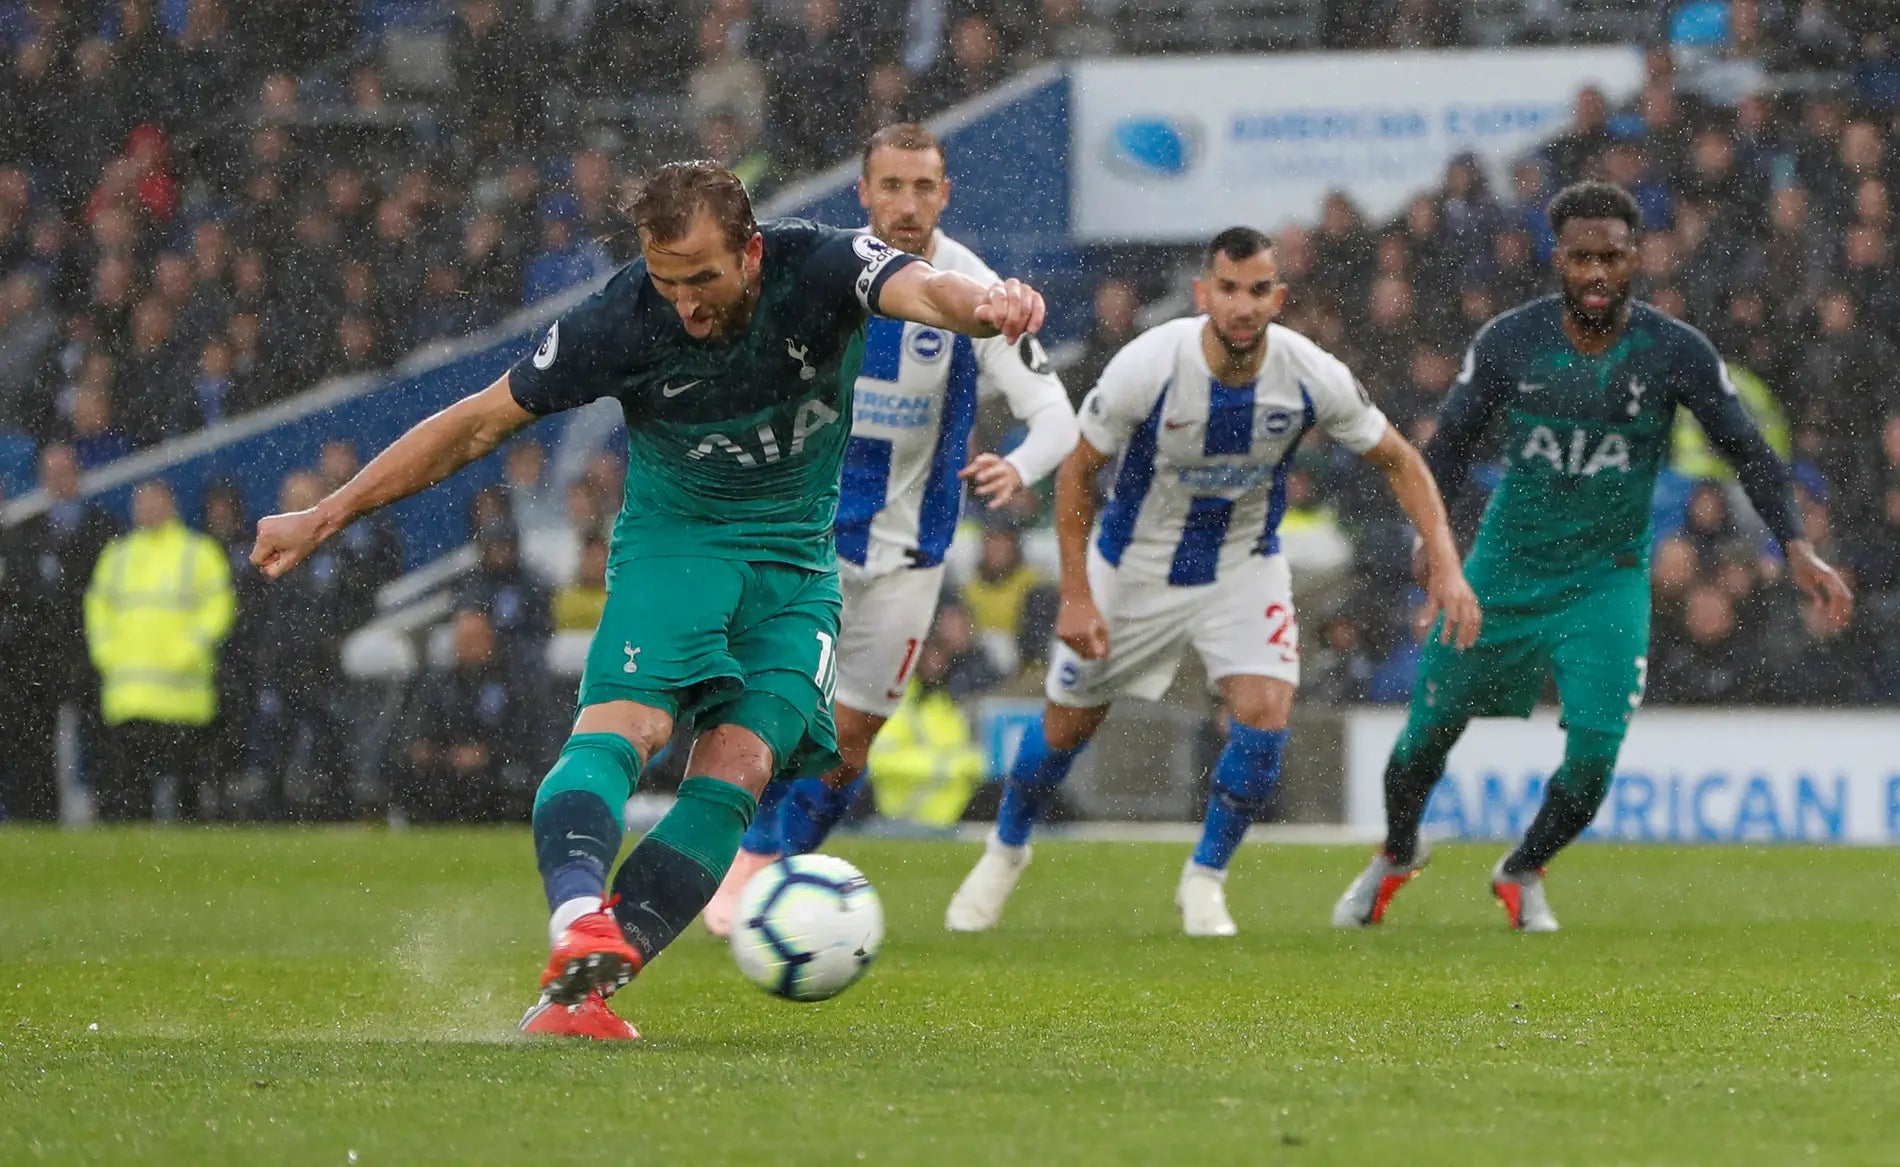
column 807, row 927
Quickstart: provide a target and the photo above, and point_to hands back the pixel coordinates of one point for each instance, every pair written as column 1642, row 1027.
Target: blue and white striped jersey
column 1201, row 482
column 913, row 411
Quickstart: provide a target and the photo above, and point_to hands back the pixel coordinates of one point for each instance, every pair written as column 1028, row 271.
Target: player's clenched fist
column 1079, row 625
column 1011, row 308
column 284, row 541
column 993, row 478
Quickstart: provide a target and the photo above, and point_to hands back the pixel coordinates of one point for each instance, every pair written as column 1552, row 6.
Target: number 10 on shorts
column 827, row 673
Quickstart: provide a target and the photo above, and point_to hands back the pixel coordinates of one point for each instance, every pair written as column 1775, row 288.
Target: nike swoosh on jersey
column 1529, row 386
column 1177, row 425
column 676, row 390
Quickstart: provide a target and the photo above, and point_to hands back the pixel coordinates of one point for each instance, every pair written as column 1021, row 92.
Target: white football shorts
column 1242, row 624
column 880, row 632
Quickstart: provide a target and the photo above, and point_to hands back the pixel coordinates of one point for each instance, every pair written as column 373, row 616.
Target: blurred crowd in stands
column 206, row 207
column 1770, row 225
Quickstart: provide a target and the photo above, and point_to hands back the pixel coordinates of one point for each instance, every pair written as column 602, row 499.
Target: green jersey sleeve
column 588, row 353
column 1483, row 384
column 1704, row 389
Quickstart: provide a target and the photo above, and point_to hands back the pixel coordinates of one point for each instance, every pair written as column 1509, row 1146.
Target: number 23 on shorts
column 1283, row 634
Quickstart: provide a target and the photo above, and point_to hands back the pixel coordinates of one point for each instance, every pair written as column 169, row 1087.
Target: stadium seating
column 262, row 198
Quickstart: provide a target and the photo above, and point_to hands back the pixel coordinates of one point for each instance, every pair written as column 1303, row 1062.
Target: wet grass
column 343, row 996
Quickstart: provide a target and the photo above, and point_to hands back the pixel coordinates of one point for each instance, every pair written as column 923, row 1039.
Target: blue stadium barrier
column 257, row 450
column 1008, row 153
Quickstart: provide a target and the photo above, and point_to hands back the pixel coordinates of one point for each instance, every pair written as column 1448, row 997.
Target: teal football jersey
column 1584, row 439
column 734, row 444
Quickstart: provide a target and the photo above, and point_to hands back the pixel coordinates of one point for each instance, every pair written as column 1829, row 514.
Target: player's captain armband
column 877, row 256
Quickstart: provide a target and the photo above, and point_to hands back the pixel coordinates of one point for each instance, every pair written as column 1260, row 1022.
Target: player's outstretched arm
column 1079, row 622
column 947, row 299
column 432, row 450
column 1710, row 396
column 1466, row 412
column 1445, row 586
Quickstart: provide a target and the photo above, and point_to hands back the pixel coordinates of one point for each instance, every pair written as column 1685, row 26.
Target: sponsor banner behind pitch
column 1732, row 776
column 1173, row 150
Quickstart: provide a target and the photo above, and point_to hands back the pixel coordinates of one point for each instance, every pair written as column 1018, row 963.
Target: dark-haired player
column 1205, row 414
column 1588, row 384
column 732, row 348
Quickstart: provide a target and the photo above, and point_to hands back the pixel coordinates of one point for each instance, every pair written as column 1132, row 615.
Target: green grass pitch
column 328, row 997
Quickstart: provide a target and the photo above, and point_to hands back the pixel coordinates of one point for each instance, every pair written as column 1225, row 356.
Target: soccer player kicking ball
column 1205, row 413
column 910, row 431
column 1588, row 384
column 732, row 348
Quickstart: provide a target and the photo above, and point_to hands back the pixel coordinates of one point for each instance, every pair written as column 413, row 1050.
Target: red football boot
column 1523, row 899
column 591, row 956
column 590, row 1018
column 1365, row 902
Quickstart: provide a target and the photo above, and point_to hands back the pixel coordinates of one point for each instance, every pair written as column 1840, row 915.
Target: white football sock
column 569, row 912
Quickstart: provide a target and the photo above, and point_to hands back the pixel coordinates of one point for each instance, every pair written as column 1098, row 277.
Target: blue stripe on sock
column 764, row 836
column 1244, row 779
column 1221, row 832
column 811, row 810
column 1033, row 778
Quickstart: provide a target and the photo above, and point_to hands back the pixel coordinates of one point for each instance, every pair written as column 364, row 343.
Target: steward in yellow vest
column 159, row 605
column 1691, row 456
column 925, row 763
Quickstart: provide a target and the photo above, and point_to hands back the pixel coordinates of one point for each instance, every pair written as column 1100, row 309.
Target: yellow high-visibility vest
column 1692, row 456
column 925, row 763
column 159, row 604
column 997, row 606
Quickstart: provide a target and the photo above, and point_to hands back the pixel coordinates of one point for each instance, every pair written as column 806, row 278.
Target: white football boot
column 1523, row 899
column 1202, row 897
column 1366, row 900
column 978, row 904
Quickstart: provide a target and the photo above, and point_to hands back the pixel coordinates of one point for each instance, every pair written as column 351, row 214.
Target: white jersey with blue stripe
column 1201, row 483
column 913, row 411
